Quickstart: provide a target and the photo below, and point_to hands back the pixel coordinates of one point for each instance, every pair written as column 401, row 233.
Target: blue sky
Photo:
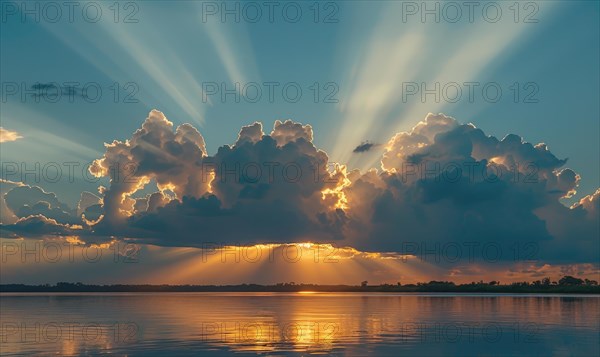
column 367, row 54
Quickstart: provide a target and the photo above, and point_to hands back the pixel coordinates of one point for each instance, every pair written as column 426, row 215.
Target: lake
column 350, row 324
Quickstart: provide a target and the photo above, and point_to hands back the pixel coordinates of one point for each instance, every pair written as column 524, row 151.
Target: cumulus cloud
column 8, row 135
column 25, row 200
column 6, row 214
column 444, row 182
column 156, row 152
column 262, row 188
column 441, row 182
column 39, row 225
column 289, row 131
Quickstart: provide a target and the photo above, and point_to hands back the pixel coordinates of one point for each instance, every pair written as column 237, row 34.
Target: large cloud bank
column 441, row 182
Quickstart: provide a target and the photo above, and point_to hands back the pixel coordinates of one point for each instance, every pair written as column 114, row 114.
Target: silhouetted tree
column 570, row 281
column 546, row 281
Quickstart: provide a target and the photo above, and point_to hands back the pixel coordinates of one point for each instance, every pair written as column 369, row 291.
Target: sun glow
column 498, row 160
column 211, row 178
column 337, row 193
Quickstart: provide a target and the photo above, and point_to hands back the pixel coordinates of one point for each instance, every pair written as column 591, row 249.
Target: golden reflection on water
column 308, row 321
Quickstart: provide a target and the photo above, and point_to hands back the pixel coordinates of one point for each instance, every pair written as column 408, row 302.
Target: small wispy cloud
column 54, row 90
column 364, row 147
column 8, row 135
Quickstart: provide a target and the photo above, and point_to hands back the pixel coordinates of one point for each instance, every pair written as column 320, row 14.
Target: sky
column 357, row 81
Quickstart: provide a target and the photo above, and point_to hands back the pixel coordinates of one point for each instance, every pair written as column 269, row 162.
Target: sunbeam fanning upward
column 405, row 71
column 375, row 86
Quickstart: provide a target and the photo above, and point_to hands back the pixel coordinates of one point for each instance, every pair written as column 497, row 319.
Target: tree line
column 567, row 284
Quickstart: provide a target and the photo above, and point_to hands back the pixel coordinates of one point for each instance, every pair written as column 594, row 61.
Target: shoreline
column 300, row 288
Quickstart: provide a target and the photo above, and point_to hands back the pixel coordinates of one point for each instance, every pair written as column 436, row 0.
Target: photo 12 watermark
column 66, row 251
column 490, row 12
column 255, row 332
column 70, row 12
column 470, row 332
column 69, row 92
column 470, row 92
column 44, row 332
column 269, row 92
column 270, row 12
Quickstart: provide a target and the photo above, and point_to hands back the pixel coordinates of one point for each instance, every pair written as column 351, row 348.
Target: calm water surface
column 353, row 324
